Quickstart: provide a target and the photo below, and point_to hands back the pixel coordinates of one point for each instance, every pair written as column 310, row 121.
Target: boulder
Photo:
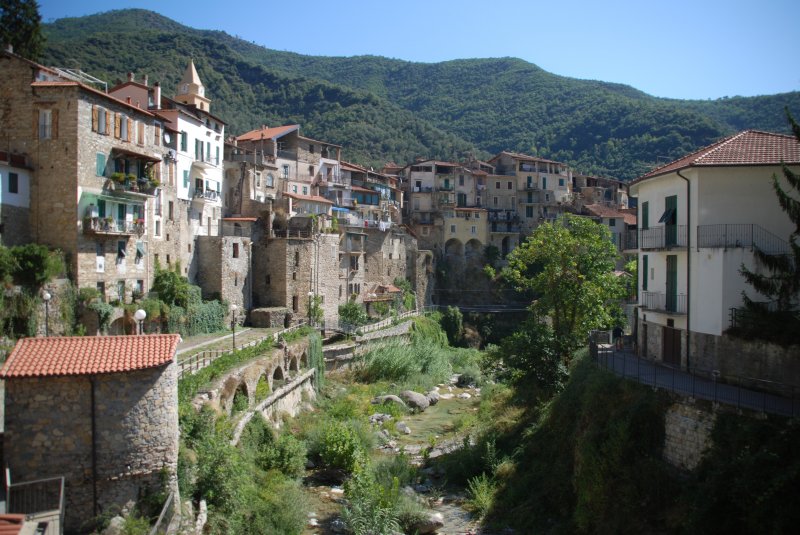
column 388, row 399
column 464, row 395
column 415, row 400
column 402, row 428
column 433, row 397
column 433, row 523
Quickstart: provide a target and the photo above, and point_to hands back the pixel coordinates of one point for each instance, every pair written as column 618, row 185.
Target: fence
column 41, row 499
column 165, row 518
column 740, row 235
column 200, row 360
column 736, row 391
column 350, row 329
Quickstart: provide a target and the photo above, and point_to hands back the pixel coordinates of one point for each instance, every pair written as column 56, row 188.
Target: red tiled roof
column 601, row 210
column 312, row 198
column 520, row 156
column 751, row 147
column 363, row 190
column 267, row 133
column 91, row 90
column 88, row 355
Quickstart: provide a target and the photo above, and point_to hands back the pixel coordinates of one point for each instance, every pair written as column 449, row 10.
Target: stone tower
column 191, row 91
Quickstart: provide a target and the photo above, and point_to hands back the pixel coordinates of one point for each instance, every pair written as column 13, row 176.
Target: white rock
column 464, row 395
column 403, row 428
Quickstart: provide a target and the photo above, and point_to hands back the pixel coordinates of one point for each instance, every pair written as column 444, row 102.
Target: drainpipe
column 688, row 266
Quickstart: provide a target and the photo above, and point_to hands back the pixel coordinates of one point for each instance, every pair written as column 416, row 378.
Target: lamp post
column 46, row 297
column 310, row 296
column 233, row 309
column 139, row 316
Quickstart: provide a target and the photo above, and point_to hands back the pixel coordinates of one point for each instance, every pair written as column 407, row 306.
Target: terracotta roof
column 365, row 190
column 601, row 210
column 88, row 355
column 241, row 219
column 520, row 156
column 268, row 133
column 312, row 198
column 91, row 90
column 751, row 147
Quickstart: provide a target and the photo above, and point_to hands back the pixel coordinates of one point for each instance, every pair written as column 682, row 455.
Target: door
column 671, row 220
column 671, row 346
column 672, row 283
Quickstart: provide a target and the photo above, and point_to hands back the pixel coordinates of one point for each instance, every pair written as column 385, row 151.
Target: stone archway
column 473, row 252
column 304, row 359
column 293, row 365
column 278, row 378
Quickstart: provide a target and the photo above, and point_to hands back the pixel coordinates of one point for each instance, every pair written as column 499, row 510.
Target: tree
column 20, row 26
column 453, row 325
column 569, row 265
column 781, row 283
column 172, row 287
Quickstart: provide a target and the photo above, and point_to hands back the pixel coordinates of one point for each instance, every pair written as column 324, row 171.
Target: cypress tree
column 20, row 26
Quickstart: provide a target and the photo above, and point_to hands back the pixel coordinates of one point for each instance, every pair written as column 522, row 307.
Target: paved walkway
column 647, row 372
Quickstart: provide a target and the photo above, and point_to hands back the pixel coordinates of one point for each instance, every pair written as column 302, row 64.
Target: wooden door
column 671, row 346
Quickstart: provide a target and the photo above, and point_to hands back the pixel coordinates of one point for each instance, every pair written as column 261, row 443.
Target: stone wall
column 48, row 433
column 15, row 221
column 269, row 317
column 687, row 434
column 735, row 357
column 224, row 271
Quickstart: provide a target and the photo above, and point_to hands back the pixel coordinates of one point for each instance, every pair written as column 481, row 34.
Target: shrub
column 371, row 508
column 481, row 490
column 286, row 454
column 340, row 444
column 353, row 314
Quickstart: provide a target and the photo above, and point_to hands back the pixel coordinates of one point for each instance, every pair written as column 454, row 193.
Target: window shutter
column 157, row 135
column 35, row 124
column 54, row 126
column 117, row 120
column 140, row 139
column 130, row 130
column 109, row 119
column 95, row 126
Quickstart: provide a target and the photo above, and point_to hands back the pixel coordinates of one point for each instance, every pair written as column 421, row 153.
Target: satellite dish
column 167, row 137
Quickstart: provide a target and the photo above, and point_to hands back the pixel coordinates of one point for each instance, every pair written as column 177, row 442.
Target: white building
column 700, row 217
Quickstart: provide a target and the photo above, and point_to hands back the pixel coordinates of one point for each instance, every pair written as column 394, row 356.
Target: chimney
column 157, row 95
column 128, row 100
column 130, row 77
column 145, row 80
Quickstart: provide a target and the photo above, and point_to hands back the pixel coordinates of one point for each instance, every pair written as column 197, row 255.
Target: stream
column 438, row 430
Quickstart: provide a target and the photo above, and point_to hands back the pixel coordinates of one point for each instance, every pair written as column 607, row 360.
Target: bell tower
column 191, row 91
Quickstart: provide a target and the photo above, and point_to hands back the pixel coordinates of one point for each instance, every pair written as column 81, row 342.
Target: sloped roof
column 88, row 355
column 310, row 198
column 601, row 210
column 520, row 156
column 750, row 147
column 190, row 75
column 268, row 133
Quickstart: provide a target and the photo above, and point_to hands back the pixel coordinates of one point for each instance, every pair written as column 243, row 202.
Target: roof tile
column 88, row 355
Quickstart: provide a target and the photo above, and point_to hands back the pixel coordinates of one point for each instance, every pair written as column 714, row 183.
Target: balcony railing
column 103, row 225
column 505, row 228
column 287, row 154
column 729, row 236
column 663, row 302
column 665, row 237
column 208, row 195
column 422, row 189
column 258, row 158
column 41, row 501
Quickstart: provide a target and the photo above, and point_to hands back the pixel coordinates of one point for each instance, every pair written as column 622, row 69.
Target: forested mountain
column 382, row 109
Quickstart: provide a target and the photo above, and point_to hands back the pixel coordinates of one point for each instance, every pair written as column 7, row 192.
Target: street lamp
column 310, row 296
column 46, row 297
column 139, row 316
column 233, row 309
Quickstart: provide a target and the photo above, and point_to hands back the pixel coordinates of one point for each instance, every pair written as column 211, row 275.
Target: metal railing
column 737, row 391
column 208, row 194
column 165, row 518
column 102, row 225
column 290, row 234
column 664, row 302
column 351, row 329
column 663, row 237
column 730, row 236
column 258, row 158
column 42, row 499
column 203, row 359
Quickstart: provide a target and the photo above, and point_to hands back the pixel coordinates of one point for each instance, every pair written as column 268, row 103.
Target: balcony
column 666, row 237
column 287, row 154
column 505, row 228
column 258, row 158
column 208, row 195
column 731, row 236
column 106, row 226
column 446, row 187
column 663, row 302
column 423, row 189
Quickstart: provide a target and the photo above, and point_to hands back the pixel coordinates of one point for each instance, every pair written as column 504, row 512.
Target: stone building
column 95, row 172
column 100, row 411
column 15, row 198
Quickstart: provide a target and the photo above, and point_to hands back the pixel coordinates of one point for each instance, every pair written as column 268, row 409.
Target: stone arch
column 473, row 251
column 278, row 377
column 304, row 359
column 293, row 365
column 121, row 325
column 453, row 248
column 230, row 388
column 505, row 246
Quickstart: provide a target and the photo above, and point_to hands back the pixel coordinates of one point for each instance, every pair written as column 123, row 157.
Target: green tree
column 781, row 283
column 569, row 265
column 20, row 26
column 171, row 286
column 352, row 314
column 453, row 324
column 35, row 265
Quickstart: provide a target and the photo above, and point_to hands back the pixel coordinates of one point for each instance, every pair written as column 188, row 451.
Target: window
column 460, row 180
column 270, row 180
column 510, row 185
column 529, row 211
column 140, row 286
column 425, row 231
column 452, row 229
column 474, row 229
column 208, row 152
column 296, row 258
column 267, row 280
column 170, row 210
column 311, row 149
column 125, row 128
column 495, row 201
column 217, row 159
column 310, row 170
column 544, row 182
column 184, row 142
column 236, row 250
column 258, row 179
column 158, row 228
column 13, row 183
column 294, row 189
column 157, row 134
column 100, row 164
column 561, row 182
column 497, row 185
column 645, row 215
column 612, row 222
column 294, row 303
column 140, row 133
column 198, row 149
column 101, row 289
column 100, row 120
column 47, row 118
column 305, row 190
column 186, row 179
column 547, row 197
column 285, row 171
column 121, row 291
column 353, row 262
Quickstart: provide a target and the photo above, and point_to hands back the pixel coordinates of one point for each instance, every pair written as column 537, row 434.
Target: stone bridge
column 285, row 370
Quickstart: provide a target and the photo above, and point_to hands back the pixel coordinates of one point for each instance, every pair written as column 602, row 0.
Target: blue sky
column 695, row 49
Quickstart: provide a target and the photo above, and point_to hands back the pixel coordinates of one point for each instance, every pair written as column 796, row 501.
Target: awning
column 667, row 216
column 139, row 249
column 134, row 154
column 121, row 249
column 338, row 209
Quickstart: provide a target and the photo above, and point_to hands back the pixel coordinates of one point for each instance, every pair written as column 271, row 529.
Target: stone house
column 15, row 199
column 619, row 224
column 700, row 218
column 100, row 411
column 96, row 165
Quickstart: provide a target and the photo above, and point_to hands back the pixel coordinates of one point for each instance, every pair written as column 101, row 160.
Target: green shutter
column 645, row 216
column 544, row 182
column 645, row 272
column 186, row 179
column 101, row 164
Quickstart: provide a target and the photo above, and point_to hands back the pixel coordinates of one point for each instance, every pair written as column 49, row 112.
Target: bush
column 339, row 444
column 371, row 508
column 286, row 454
column 453, row 324
column 353, row 314
column 481, row 490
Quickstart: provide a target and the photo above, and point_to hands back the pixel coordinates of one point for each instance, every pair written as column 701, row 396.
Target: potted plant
column 118, row 177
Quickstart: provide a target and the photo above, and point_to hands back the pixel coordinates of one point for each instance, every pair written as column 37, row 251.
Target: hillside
column 383, row 109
